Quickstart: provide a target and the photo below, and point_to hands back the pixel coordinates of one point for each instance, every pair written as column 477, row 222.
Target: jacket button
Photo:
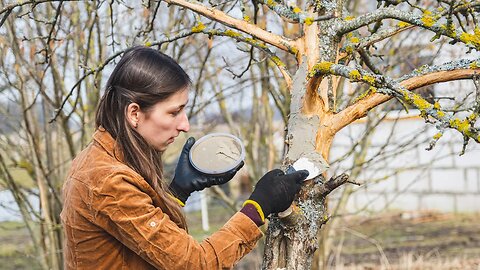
column 153, row 224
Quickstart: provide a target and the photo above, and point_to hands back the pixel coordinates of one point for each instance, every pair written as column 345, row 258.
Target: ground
column 408, row 240
column 16, row 249
column 400, row 240
column 394, row 240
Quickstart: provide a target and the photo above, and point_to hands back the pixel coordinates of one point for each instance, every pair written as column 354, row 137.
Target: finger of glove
column 292, row 183
column 201, row 183
column 239, row 166
column 188, row 145
column 289, row 191
column 268, row 178
column 230, row 174
column 298, row 176
column 224, row 179
column 216, row 180
column 233, row 171
column 289, row 188
column 273, row 173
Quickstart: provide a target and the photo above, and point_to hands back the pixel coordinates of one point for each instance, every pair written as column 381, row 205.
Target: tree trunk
column 291, row 241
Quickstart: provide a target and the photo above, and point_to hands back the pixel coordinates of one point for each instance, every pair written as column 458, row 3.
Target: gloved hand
column 187, row 179
column 275, row 191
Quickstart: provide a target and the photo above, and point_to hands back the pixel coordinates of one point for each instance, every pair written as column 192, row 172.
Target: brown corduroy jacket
column 113, row 219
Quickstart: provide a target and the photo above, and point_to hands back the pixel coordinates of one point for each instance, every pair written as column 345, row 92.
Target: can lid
column 217, row 153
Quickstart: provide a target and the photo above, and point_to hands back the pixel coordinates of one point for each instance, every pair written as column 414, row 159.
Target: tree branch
column 200, row 28
column 379, row 36
column 293, row 14
column 48, row 46
column 278, row 41
column 464, row 69
column 427, row 21
column 333, row 183
column 7, row 10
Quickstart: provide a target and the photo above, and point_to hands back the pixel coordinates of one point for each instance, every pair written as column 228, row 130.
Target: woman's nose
column 184, row 125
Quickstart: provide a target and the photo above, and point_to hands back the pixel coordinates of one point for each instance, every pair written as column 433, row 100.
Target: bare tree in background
column 318, row 46
column 41, row 51
column 53, row 54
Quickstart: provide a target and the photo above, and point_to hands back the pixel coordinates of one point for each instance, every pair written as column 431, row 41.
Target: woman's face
column 164, row 121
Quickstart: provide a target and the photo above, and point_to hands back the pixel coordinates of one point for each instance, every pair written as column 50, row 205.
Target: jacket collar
column 107, row 142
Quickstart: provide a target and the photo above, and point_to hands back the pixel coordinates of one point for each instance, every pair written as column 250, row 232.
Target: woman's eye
column 177, row 112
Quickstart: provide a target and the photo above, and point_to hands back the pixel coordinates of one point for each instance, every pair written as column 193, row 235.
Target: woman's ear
column 133, row 114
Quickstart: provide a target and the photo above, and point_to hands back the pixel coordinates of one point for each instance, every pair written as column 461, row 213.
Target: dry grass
column 412, row 240
column 406, row 241
column 400, row 240
column 411, row 261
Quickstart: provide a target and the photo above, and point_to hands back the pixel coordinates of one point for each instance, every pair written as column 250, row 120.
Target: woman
column 120, row 213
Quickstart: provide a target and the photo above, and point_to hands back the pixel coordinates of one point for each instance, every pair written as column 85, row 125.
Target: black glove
column 187, row 179
column 276, row 190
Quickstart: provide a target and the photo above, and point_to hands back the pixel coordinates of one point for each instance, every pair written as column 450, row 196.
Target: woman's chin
column 163, row 146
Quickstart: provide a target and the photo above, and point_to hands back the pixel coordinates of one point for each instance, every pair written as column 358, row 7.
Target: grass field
column 414, row 240
column 389, row 241
column 401, row 240
column 16, row 248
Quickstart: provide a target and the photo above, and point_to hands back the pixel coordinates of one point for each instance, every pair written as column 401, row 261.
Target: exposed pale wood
column 311, row 43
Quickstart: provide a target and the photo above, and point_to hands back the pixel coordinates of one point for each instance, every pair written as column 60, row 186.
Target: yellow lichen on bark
column 418, row 101
column 355, row 40
column 369, row 79
column 354, row 75
column 198, row 28
column 308, row 21
column 294, row 50
column 472, row 117
column 277, row 61
column 421, row 103
column 320, row 68
column 403, row 24
column 450, row 29
column 461, row 125
column 370, row 91
column 427, row 18
column 437, row 136
column 473, row 39
column 231, row 33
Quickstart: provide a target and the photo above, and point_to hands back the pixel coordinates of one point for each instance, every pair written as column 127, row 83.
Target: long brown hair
column 144, row 76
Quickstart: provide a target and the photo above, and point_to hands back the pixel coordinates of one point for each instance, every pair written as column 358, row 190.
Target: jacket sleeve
column 128, row 214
